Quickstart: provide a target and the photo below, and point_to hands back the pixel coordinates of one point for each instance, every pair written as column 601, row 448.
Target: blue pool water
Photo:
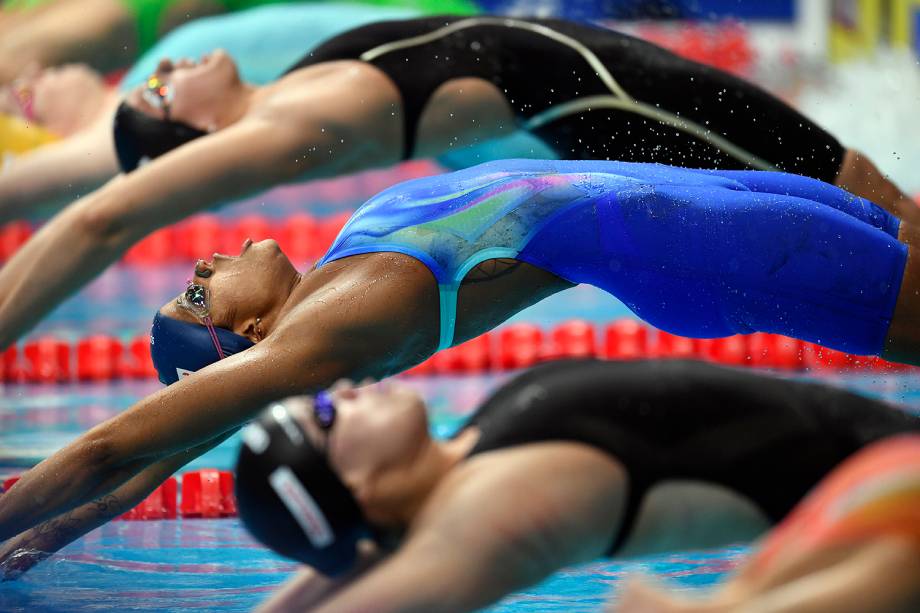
column 212, row 565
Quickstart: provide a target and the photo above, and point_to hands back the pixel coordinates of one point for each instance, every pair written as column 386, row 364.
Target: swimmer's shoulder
column 547, row 495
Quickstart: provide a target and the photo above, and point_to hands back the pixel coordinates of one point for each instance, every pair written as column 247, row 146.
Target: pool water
column 213, row 565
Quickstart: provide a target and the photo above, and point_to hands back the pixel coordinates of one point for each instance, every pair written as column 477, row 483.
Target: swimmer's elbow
column 100, row 220
column 97, row 450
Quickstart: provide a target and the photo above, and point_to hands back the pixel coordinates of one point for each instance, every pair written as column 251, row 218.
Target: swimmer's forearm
column 65, row 481
column 132, row 484
column 85, row 238
column 22, row 552
column 62, row 257
column 58, row 173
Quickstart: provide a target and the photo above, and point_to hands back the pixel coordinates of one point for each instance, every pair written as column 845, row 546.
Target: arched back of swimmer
column 386, row 92
column 375, row 313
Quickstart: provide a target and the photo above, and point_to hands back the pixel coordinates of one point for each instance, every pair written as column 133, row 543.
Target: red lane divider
column 99, row 358
column 106, row 358
column 518, row 346
column 572, row 339
column 301, row 236
column 205, row 493
column 626, row 339
column 95, row 358
column 160, row 504
column 47, row 360
column 521, row 345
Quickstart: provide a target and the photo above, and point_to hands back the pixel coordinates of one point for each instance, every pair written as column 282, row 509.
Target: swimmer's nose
column 165, row 65
column 203, row 269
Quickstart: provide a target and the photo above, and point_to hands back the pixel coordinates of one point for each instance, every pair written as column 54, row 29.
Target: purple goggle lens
column 324, row 411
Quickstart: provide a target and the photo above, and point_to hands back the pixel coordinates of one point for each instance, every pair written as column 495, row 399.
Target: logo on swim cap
column 256, row 438
column 302, row 507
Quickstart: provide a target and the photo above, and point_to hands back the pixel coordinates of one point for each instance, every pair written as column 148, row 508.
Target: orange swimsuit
column 875, row 493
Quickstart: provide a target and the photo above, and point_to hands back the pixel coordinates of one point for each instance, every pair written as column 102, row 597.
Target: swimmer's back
column 766, row 438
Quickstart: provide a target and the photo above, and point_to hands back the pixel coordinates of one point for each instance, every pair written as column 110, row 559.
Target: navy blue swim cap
column 180, row 348
column 139, row 136
column 290, row 499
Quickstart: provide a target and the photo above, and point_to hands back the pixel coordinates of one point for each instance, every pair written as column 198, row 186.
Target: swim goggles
column 197, row 300
column 158, row 94
column 324, row 411
column 24, row 97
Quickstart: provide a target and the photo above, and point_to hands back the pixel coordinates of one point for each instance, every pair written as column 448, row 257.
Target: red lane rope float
column 205, row 493
column 106, row 358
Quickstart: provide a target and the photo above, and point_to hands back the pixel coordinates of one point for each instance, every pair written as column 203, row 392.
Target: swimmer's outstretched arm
column 175, row 419
column 310, row 350
column 19, row 554
column 46, row 179
column 60, row 31
column 250, row 156
column 474, row 541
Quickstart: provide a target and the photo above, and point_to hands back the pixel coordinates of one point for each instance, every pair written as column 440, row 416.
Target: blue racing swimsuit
column 700, row 253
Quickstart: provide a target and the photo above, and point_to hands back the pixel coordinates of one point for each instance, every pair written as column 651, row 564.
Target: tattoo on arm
column 492, row 269
column 107, row 505
column 65, row 526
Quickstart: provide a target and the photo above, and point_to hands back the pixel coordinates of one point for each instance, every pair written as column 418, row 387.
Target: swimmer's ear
column 253, row 330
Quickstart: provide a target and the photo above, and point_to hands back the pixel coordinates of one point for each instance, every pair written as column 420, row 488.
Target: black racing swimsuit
column 543, row 64
column 768, row 439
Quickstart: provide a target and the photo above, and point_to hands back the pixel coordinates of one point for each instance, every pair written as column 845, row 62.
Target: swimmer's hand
column 15, row 561
column 643, row 595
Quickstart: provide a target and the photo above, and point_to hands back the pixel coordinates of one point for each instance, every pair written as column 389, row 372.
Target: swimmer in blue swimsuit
column 432, row 262
column 697, row 253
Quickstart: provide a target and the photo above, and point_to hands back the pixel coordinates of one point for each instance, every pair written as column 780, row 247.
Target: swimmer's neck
column 239, row 103
column 319, row 282
column 397, row 498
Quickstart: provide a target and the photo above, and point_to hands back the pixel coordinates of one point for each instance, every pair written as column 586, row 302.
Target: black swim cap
column 290, row 499
column 139, row 136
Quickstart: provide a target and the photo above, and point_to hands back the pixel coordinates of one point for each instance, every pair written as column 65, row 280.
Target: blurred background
column 850, row 65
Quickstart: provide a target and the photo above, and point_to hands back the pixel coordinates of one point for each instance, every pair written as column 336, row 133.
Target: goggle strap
column 207, row 322
column 25, row 101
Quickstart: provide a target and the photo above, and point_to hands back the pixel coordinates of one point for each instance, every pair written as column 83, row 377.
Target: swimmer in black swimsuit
column 616, row 458
column 569, row 461
column 392, row 90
